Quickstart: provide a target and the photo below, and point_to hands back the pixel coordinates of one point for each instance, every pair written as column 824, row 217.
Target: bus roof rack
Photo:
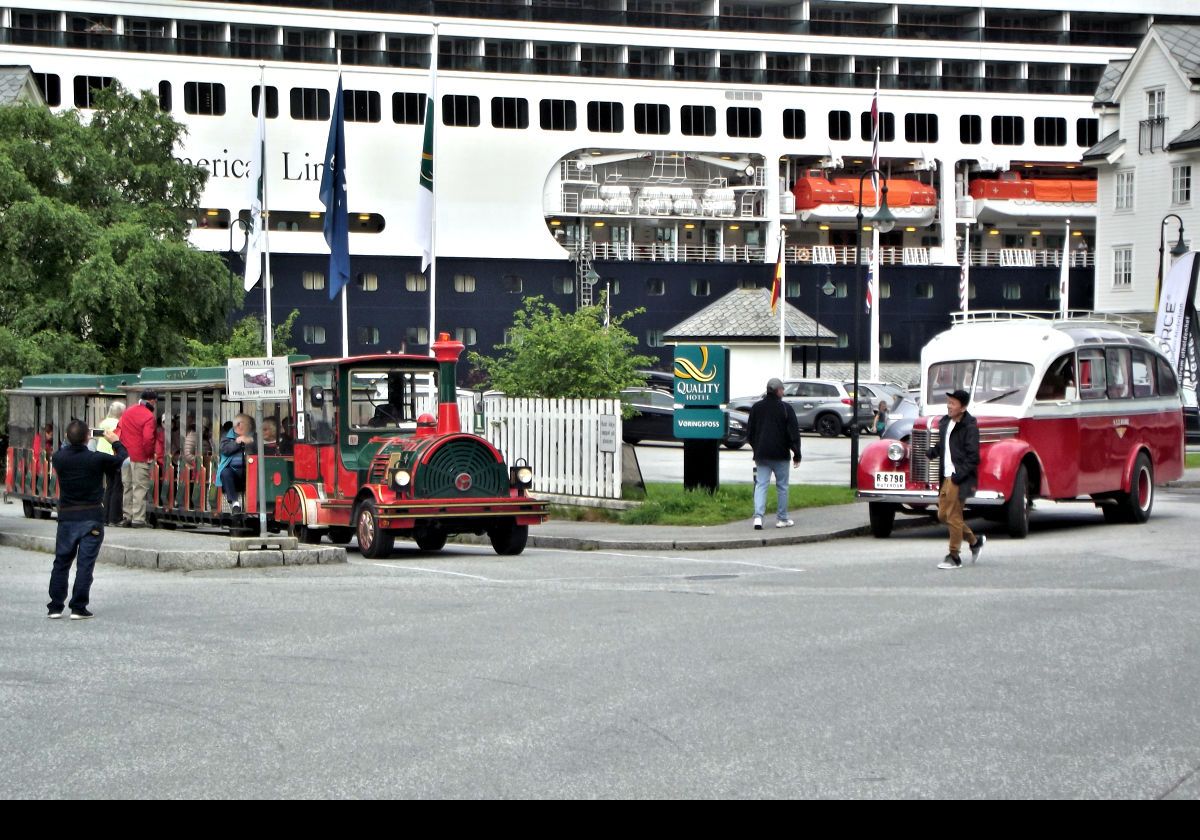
column 1072, row 316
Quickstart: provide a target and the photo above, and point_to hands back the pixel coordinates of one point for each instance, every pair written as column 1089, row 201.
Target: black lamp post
column 245, row 226
column 1177, row 251
column 884, row 221
column 825, row 289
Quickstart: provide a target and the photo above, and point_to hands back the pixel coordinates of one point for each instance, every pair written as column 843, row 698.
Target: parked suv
column 821, row 405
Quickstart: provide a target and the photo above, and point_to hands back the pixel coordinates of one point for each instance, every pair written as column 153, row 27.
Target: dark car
column 654, row 418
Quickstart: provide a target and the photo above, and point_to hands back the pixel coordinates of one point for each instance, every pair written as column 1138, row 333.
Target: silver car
column 821, row 405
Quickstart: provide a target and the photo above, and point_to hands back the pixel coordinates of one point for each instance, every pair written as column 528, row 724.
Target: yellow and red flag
column 777, row 283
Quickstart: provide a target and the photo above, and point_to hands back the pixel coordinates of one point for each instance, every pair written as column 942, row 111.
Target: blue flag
column 333, row 196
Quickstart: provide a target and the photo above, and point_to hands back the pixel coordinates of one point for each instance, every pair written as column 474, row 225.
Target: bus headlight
column 401, row 479
column 896, row 451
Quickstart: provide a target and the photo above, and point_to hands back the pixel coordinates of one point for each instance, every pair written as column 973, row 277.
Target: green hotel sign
column 700, row 423
column 701, row 376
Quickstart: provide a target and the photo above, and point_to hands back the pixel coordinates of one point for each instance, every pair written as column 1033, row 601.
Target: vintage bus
column 359, row 454
column 1078, row 408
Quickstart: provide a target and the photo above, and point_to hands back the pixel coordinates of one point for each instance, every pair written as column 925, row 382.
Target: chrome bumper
column 929, row 497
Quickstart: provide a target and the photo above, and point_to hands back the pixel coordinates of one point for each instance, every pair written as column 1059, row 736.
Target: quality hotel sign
column 701, row 376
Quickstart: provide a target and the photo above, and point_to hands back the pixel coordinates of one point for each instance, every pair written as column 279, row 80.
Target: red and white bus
column 1080, row 408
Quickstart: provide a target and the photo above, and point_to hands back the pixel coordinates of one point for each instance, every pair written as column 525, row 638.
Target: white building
column 1148, row 160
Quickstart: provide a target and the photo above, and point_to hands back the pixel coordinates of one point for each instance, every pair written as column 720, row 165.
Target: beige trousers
column 137, row 484
column 950, row 511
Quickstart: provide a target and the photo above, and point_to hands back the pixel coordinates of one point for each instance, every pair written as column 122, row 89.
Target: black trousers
column 114, row 489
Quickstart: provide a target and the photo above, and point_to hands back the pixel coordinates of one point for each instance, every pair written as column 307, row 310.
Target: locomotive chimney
column 447, row 351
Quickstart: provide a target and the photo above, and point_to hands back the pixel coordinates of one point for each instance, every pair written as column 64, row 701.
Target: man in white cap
column 774, row 436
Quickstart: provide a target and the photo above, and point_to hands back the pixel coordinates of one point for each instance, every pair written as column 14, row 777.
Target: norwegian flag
column 964, row 273
column 875, row 139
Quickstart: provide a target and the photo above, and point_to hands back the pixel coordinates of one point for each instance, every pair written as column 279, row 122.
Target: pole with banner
column 258, row 380
column 1175, row 326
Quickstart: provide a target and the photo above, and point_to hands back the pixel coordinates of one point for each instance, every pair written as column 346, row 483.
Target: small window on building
column 839, row 125
column 557, row 114
column 165, row 101
column 921, row 128
column 361, row 106
column 1123, row 192
column 649, row 118
column 1052, row 291
column 743, row 122
column 1011, row 291
column 86, row 88
column 416, row 282
column 885, row 289
column 513, row 284
column 887, row 126
column 204, row 98
column 606, row 117
column 466, row 335
column 656, row 286
column 698, row 120
column 793, row 287
column 1122, row 277
column 310, row 104
column 51, row 87
column 923, row 291
column 464, row 283
column 970, row 129
column 313, row 281
column 1181, row 184
column 510, row 112
column 272, row 101
column 654, row 338
column 843, row 340
column 564, row 285
column 408, row 108
column 1049, row 131
column 368, row 282
column 461, row 111
column 1008, row 131
column 701, row 288
column 612, row 285
column 794, row 127
column 841, row 289
column 416, row 335
column 1087, row 132
column 314, row 335
column 368, row 335
column 885, row 340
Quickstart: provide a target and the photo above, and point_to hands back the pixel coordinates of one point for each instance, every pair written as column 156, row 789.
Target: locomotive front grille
column 924, row 470
column 462, row 467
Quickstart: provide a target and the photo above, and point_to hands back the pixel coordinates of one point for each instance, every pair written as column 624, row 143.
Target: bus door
column 1054, row 428
column 1095, row 423
column 316, row 424
column 1123, row 436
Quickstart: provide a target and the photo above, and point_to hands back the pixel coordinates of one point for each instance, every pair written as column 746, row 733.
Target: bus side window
column 1059, row 381
column 319, row 404
column 1119, row 385
column 1092, row 381
column 1143, row 374
column 1168, row 384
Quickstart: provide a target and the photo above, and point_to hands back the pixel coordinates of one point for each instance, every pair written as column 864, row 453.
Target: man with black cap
column 138, row 433
column 959, row 451
column 774, row 436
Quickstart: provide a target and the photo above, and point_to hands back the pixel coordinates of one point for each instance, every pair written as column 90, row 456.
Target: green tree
column 244, row 342
column 96, row 273
column 552, row 353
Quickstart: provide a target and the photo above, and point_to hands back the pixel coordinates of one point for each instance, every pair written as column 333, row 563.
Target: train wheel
column 508, row 538
column 430, row 539
column 27, row 509
column 373, row 541
column 341, row 536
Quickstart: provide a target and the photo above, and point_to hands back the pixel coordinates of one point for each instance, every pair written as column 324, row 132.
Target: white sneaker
column 784, row 523
column 236, row 507
column 758, row 523
column 977, row 549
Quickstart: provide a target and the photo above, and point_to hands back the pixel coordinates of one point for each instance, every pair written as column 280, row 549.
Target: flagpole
column 783, row 365
column 430, row 114
column 1064, row 276
column 345, row 287
column 266, row 280
column 873, row 282
column 964, row 272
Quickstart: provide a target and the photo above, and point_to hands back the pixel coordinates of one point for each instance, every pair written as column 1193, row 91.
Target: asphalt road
column 1061, row 666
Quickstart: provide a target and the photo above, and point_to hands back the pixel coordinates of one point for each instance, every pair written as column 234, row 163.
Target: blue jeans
column 82, row 537
column 232, row 480
column 762, row 475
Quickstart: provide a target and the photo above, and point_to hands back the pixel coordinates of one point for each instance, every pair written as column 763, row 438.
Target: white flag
column 256, row 190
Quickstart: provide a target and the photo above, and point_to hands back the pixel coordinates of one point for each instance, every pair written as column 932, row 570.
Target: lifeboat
column 1012, row 197
column 836, row 199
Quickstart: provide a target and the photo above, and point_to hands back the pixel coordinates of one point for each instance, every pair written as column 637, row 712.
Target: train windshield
column 381, row 399
column 988, row 383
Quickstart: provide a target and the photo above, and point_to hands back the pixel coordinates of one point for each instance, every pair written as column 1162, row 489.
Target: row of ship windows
column 510, row 112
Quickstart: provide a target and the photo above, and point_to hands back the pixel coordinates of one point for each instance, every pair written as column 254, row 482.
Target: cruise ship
column 647, row 150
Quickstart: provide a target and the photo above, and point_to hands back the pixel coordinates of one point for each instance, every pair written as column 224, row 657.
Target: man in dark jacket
column 774, row 436
column 958, row 434
column 81, row 475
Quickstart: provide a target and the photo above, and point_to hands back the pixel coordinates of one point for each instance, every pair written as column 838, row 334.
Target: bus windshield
column 988, row 382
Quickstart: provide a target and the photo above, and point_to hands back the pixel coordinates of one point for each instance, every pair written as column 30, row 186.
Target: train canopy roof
column 113, row 384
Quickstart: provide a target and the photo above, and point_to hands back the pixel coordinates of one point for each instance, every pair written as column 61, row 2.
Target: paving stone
column 302, row 557
column 282, row 543
column 189, row 561
column 137, row 558
column 259, row 559
column 332, row 555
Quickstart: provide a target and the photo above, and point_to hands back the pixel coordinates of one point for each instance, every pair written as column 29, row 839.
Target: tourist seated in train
column 43, row 441
column 270, row 436
column 286, row 438
column 231, row 468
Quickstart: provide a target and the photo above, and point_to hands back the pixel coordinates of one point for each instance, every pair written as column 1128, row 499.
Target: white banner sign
column 1173, row 306
column 257, row 379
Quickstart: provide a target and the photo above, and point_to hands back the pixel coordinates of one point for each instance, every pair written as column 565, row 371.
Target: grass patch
column 1192, row 459
column 670, row 504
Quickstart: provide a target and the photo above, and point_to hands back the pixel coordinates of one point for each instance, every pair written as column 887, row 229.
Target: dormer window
column 1156, row 104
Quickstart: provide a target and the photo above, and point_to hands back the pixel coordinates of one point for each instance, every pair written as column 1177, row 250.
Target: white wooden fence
column 574, row 446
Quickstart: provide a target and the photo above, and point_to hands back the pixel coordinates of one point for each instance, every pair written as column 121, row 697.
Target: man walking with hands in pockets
column 774, row 436
column 958, row 448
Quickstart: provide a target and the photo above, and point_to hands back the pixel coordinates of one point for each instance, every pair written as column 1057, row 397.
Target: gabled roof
column 1183, row 43
column 1104, row 148
column 1190, row 139
column 1108, row 82
column 744, row 315
column 17, row 85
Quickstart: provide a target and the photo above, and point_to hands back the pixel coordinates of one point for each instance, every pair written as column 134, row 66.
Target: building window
column 86, row 88
column 743, row 122
column 464, row 283
column 461, row 111
column 654, row 338
column 794, row 127
column 510, row 112
column 698, row 120
column 1049, row 131
column 701, row 288
column 416, row 282
column 408, row 108
column 416, row 335
column 1156, row 104
column 313, row 281
column 839, row 125
column 204, row 98
column 368, row 282
column 50, row 86
column 564, row 285
column 272, row 101
column 1011, row 291
column 656, row 286
column 885, row 340
column 970, row 129
column 164, row 96
column 843, row 340
column 310, row 104
column 921, row 128
column 607, row 117
column 513, row 284
column 651, row 119
column 612, row 286
column 368, row 335
column 885, row 289
column 557, row 114
column 361, row 105
column 1052, row 292
column 1123, row 267
column 1008, row 131
column 314, row 335
column 1123, row 194
column 466, row 335
column 923, row 291
column 1181, row 184
column 1087, row 132
column 887, row 126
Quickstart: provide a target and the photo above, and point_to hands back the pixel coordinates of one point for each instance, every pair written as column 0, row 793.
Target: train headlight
column 896, row 451
column 521, row 473
column 401, row 479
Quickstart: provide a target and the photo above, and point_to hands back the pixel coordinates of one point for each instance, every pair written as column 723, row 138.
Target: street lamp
column 827, row 290
column 1177, row 251
column 245, row 225
column 884, row 221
